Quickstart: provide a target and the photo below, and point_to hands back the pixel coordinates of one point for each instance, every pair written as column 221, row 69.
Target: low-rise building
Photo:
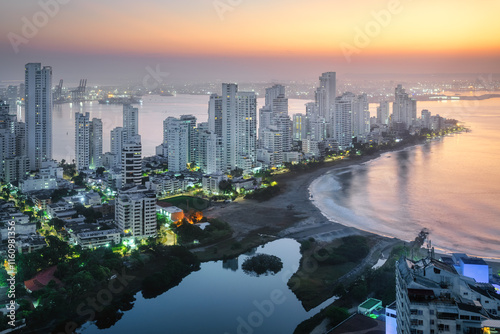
column 95, row 239
column 56, row 208
column 211, row 182
column 246, row 184
column 37, row 183
column 92, row 198
column 172, row 213
column 41, row 200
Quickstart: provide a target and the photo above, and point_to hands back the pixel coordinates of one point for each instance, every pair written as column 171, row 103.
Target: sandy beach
column 274, row 216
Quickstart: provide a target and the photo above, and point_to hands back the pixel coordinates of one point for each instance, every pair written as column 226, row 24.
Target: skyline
column 240, row 40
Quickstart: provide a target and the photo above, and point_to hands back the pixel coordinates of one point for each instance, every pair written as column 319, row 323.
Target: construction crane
column 78, row 94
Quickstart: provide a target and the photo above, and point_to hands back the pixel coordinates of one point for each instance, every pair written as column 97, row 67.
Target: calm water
column 152, row 113
column 450, row 186
column 220, row 300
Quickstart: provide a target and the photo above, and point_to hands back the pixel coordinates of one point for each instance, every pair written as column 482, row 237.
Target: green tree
column 336, row 314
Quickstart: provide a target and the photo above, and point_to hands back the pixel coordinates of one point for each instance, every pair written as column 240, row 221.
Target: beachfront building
column 360, row 117
column 432, row 297
column 404, row 109
column 343, row 120
column 383, row 113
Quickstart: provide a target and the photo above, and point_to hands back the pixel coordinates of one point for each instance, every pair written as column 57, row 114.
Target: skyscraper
column 201, row 138
column 13, row 161
column 327, row 91
column 383, row 113
column 38, row 102
column 229, row 126
column 82, row 141
column 214, row 154
column 300, row 127
column 95, row 143
column 426, row 119
column 190, row 120
column 130, row 123
column 215, row 115
column 176, row 143
column 272, row 93
column 116, row 143
column 88, row 142
column 12, row 99
column 360, row 116
column 239, row 127
column 132, row 163
column 343, row 117
column 404, row 109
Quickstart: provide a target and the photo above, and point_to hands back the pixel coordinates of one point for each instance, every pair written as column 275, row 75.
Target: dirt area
column 303, row 220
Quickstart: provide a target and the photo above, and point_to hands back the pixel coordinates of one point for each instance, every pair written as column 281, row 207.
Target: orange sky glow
column 353, row 31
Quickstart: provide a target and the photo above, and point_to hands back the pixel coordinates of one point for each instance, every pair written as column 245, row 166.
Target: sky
column 237, row 40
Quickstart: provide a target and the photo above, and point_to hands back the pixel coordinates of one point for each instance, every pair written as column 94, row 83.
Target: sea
column 449, row 186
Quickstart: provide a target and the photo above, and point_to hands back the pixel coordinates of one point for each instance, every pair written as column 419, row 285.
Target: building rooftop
column 42, row 279
column 370, row 303
column 474, row 260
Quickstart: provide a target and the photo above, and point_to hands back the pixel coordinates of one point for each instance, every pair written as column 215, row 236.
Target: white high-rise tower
column 82, row 141
column 38, row 102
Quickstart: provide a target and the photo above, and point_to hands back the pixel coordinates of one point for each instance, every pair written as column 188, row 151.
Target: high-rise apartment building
column 130, row 123
column 404, row 109
column 215, row 114
column 88, row 142
column 176, row 143
column 12, row 99
column 38, row 109
column 383, row 113
column 135, row 213
column 95, row 143
column 238, row 126
column 82, row 141
column 360, row 117
column 343, row 118
column 190, row 120
column 14, row 163
column 132, row 163
column 326, row 93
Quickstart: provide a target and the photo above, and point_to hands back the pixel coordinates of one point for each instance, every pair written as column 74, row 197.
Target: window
column 431, row 312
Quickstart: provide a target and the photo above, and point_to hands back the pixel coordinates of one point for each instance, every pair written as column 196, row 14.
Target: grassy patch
column 187, row 203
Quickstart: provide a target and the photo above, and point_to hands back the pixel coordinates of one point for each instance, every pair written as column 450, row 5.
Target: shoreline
column 305, row 219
